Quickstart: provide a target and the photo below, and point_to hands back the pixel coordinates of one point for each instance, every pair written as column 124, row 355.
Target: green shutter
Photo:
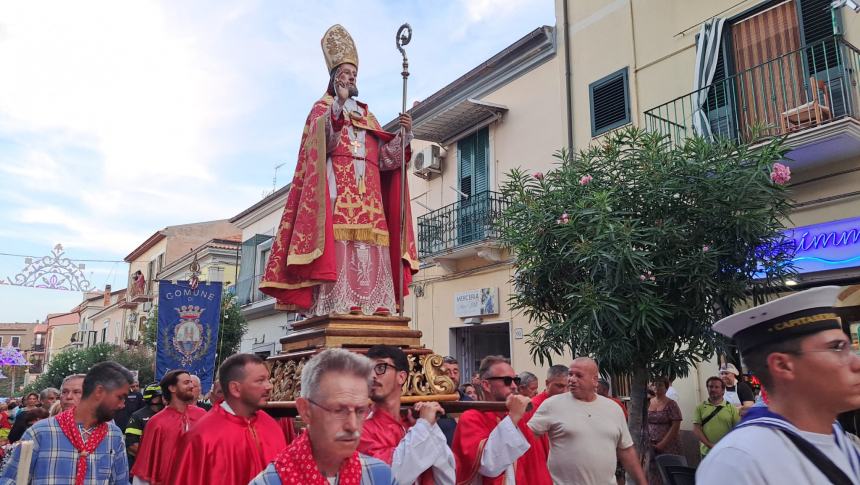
column 473, row 154
column 481, row 164
column 465, row 152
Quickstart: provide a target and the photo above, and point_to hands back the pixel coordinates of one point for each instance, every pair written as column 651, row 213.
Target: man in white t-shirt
column 798, row 350
column 586, row 432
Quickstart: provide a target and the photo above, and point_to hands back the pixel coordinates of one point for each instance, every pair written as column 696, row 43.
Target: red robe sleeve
column 379, row 438
column 531, row 467
column 473, row 429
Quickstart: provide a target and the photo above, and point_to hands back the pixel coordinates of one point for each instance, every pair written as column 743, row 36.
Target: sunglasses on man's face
column 507, row 380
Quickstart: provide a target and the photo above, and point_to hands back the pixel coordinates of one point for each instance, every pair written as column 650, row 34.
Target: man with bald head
column 586, row 432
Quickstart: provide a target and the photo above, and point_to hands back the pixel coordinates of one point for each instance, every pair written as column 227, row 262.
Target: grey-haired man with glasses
column 412, row 443
column 334, row 404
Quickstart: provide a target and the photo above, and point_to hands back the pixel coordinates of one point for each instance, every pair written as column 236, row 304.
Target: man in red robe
column 155, row 455
column 338, row 248
column 498, row 448
column 416, row 450
column 236, row 440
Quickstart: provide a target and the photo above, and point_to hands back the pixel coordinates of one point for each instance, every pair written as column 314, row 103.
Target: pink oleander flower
column 585, row 180
column 538, row 175
column 647, row 276
column 705, row 249
column 642, row 277
column 780, row 174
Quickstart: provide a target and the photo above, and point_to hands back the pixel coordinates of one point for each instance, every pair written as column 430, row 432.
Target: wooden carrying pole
column 288, row 409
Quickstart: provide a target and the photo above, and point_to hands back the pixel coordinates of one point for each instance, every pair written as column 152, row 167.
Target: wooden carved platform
column 426, row 380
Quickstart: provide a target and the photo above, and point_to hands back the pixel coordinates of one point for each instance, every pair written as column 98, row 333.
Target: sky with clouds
column 120, row 118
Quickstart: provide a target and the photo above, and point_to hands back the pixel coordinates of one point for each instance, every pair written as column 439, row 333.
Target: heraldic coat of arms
column 190, row 338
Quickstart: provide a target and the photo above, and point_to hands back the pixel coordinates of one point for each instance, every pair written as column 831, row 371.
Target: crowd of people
column 356, row 428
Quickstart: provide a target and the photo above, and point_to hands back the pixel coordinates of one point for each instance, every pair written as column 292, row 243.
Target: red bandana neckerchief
column 296, row 465
column 66, row 419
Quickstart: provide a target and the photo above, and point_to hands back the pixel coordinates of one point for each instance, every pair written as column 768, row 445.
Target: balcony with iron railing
column 810, row 95
column 461, row 228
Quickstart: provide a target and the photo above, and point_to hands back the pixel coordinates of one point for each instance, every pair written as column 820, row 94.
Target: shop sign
column 827, row 246
column 475, row 303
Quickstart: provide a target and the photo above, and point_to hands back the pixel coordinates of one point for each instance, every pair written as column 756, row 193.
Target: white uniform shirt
column 503, row 448
column 424, row 447
column 760, row 455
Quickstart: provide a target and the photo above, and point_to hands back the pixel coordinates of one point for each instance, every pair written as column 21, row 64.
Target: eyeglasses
column 382, row 368
column 507, row 380
column 841, row 348
column 342, row 414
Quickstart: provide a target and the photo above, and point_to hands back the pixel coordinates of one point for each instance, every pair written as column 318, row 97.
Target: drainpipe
column 567, row 77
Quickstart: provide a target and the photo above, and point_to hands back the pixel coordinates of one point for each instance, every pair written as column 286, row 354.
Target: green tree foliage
column 78, row 361
column 231, row 329
column 629, row 251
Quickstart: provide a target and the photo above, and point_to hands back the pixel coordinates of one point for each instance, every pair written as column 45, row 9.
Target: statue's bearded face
column 346, row 75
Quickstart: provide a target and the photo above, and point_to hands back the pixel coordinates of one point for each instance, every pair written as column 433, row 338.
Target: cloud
column 118, row 118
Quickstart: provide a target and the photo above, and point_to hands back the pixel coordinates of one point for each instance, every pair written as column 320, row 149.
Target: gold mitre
column 338, row 47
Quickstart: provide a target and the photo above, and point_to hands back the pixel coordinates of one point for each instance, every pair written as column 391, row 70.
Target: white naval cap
column 802, row 313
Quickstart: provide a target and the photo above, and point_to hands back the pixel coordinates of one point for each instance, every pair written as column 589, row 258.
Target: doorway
column 472, row 343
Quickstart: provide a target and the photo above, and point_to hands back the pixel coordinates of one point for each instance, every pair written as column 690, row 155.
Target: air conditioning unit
column 428, row 162
column 147, row 306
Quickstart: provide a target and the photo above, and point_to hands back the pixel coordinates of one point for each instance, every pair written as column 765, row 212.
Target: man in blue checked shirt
column 80, row 446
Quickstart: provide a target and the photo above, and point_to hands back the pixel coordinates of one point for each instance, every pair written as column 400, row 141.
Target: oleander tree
column 630, row 250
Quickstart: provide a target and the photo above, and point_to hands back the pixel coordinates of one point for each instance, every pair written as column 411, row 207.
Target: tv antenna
column 275, row 177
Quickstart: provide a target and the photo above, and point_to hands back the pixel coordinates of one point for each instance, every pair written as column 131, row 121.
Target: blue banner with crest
column 188, row 320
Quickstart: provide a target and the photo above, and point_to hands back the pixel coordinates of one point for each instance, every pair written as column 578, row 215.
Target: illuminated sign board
column 826, row 246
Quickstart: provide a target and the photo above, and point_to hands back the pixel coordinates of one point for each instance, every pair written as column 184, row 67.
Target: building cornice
column 529, row 52
column 146, row 246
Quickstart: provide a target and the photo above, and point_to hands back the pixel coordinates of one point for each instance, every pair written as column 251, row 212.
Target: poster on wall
column 476, row 303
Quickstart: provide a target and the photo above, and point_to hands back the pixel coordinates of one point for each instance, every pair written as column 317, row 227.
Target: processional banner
column 188, row 321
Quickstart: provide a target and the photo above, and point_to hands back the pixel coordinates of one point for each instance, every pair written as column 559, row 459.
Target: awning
column 460, row 119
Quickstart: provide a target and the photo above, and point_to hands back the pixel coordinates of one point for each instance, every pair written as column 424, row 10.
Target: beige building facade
column 266, row 325
column 506, row 113
column 779, row 68
column 163, row 250
column 61, row 329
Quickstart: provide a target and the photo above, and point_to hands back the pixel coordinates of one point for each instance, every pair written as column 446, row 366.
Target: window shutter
column 610, row 106
column 481, row 164
column 817, row 26
column 246, row 270
column 465, row 152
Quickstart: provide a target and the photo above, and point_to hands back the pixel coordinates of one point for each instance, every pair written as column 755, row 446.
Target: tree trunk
column 637, row 410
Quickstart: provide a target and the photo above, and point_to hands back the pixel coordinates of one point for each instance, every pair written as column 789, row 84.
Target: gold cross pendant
column 355, row 144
